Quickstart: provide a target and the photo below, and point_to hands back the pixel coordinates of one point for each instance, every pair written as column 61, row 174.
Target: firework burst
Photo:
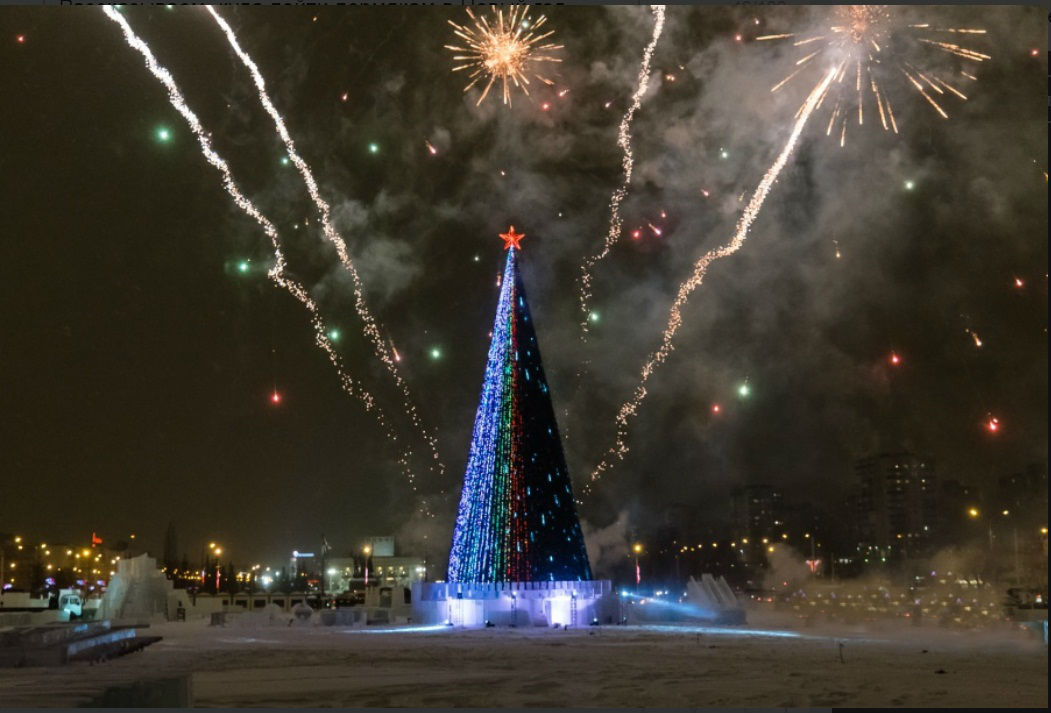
column 869, row 47
column 504, row 46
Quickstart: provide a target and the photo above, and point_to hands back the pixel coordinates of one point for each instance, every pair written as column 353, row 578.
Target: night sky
column 138, row 362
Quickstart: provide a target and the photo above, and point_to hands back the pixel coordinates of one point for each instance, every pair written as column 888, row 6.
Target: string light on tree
column 517, row 520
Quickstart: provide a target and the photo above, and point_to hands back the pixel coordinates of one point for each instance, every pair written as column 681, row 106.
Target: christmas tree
column 517, row 520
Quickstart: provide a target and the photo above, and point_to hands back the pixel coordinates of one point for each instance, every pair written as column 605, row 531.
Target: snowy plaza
column 281, row 665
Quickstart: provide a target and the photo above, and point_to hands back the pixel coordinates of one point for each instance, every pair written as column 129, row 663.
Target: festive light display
column 517, row 520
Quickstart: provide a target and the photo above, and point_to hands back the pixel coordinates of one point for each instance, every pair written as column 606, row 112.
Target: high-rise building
column 759, row 511
column 896, row 503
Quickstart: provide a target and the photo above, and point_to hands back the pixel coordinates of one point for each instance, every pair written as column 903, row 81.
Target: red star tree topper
column 511, row 239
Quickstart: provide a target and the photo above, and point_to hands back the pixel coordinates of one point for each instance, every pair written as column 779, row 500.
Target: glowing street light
column 637, row 549
column 973, row 512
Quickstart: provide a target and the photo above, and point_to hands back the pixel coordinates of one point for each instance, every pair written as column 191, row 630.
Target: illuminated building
column 758, row 511
column 896, row 503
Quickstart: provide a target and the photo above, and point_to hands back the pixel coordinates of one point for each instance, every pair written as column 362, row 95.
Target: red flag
column 95, row 539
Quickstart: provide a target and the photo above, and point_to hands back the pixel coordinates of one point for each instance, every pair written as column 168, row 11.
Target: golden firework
column 866, row 45
column 504, row 46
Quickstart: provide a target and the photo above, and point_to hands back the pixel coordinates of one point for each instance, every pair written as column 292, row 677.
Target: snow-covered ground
column 759, row 665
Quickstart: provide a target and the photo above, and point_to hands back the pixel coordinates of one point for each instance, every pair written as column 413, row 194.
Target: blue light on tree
column 517, row 521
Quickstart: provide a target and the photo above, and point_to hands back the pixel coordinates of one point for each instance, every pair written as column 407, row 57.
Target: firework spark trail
column 277, row 272
column 751, row 212
column 371, row 327
column 624, row 142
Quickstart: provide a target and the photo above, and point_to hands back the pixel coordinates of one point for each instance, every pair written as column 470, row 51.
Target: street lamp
column 637, row 549
column 367, row 550
column 1014, row 537
column 216, row 550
